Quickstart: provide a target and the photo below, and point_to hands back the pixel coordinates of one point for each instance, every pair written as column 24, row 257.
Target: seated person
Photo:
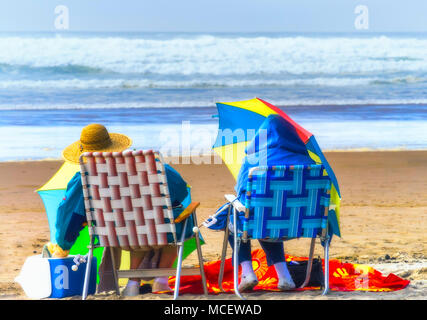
column 71, row 216
column 276, row 143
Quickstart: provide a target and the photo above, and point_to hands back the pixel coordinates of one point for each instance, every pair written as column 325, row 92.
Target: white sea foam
column 199, row 83
column 212, row 103
column 217, row 55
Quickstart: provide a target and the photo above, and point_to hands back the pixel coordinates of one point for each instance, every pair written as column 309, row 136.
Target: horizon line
column 206, row 31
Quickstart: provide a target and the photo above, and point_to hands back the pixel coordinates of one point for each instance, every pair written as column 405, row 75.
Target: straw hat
column 95, row 137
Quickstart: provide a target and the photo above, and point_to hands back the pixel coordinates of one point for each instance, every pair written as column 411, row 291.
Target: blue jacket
column 71, row 211
column 275, row 143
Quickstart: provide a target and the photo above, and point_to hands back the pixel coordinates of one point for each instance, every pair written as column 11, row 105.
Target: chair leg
column 178, row 271
column 224, row 252
column 179, row 264
column 236, row 258
column 200, row 256
column 310, row 263
column 325, row 291
column 87, row 275
column 115, row 277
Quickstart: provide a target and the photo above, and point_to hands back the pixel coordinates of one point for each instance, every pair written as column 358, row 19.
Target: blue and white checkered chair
column 282, row 203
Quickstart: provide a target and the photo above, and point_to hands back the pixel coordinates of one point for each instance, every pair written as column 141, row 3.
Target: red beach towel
column 343, row 277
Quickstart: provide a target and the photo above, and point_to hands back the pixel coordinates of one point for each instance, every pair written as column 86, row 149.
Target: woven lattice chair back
column 286, row 202
column 127, row 199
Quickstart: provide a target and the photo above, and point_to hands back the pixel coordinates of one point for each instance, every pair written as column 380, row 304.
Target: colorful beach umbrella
column 237, row 120
column 52, row 193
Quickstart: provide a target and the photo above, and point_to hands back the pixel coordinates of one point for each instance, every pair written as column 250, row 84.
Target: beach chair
column 128, row 206
column 286, row 202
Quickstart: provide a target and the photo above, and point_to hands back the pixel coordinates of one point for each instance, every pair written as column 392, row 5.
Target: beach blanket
column 343, row 277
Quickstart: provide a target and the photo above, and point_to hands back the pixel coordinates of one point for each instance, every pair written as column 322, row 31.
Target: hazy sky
column 215, row 15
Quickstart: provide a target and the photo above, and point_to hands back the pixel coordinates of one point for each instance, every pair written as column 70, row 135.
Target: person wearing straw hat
column 71, row 216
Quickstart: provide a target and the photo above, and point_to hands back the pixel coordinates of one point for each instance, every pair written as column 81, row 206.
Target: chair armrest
column 235, row 202
column 187, row 211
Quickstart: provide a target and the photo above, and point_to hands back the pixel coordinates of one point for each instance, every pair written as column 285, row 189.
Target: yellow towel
column 56, row 251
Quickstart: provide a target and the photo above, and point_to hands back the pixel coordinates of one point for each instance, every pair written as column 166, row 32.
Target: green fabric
column 189, row 247
column 81, row 247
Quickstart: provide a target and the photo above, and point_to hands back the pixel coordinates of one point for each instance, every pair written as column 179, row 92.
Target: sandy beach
column 383, row 219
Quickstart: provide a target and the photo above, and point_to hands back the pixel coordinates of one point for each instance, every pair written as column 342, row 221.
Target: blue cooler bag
column 66, row 282
column 54, row 277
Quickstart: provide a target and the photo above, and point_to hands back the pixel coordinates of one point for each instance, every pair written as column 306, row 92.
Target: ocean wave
column 215, row 55
column 400, row 80
column 211, row 103
column 74, row 69
column 200, row 83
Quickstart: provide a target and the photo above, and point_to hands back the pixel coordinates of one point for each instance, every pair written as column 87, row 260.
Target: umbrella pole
column 224, row 251
column 236, row 256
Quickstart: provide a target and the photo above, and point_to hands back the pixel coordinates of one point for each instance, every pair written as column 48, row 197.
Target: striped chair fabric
column 127, row 199
column 286, row 202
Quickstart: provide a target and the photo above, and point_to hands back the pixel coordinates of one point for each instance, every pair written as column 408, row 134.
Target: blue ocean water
column 351, row 90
